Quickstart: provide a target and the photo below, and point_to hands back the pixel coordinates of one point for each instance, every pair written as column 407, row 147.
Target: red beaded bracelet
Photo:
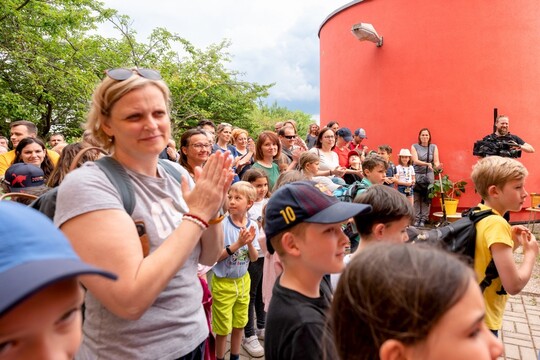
column 197, row 220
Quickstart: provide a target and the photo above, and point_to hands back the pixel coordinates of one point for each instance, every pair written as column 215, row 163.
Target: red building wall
column 443, row 65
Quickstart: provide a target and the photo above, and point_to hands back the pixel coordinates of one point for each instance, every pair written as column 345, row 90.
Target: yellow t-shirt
column 6, row 160
column 491, row 230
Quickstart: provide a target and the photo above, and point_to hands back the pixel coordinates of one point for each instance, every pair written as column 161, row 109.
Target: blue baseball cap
column 305, row 201
column 345, row 133
column 21, row 176
column 360, row 132
column 33, row 254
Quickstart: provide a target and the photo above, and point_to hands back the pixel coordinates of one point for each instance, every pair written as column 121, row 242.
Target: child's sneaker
column 260, row 334
column 252, row 346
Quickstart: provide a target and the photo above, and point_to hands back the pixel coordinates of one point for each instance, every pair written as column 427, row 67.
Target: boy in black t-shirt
column 303, row 226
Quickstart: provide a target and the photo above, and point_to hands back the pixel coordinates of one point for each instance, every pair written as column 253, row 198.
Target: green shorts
column 230, row 302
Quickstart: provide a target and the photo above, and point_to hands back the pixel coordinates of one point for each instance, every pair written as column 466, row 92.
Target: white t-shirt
column 255, row 214
column 326, row 161
column 404, row 173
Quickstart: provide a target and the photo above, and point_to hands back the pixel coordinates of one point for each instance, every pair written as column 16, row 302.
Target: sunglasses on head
column 121, row 74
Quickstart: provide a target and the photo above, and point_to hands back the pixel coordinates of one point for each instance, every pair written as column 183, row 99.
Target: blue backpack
column 347, row 193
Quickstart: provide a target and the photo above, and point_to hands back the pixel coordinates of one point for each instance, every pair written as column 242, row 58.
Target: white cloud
column 272, row 42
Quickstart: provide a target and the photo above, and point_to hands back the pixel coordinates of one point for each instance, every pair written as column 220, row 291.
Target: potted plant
column 452, row 190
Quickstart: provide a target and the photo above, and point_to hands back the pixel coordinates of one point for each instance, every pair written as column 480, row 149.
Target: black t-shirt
column 295, row 324
column 351, row 178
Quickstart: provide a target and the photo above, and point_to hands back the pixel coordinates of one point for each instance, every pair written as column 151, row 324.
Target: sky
column 272, row 41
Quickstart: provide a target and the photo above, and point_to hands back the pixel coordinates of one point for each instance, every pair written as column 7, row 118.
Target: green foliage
column 44, row 77
column 264, row 117
column 51, row 60
column 451, row 189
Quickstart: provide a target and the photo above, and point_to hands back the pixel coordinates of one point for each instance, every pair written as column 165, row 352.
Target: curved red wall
column 444, row 65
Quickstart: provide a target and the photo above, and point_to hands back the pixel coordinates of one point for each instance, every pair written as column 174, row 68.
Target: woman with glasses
column 328, row 159
column 154, row 310
column 195, row 148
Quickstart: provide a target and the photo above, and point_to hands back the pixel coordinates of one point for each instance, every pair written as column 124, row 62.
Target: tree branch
column 17, row 9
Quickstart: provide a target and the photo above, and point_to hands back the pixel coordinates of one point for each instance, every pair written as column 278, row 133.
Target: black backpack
column 118, row 177
column 459, row 237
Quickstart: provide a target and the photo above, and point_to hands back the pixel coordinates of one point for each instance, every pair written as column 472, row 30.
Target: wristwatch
column 228, row 249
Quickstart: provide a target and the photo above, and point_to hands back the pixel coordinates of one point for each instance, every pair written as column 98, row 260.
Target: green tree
column 43, row 75
column 51, row 60
column 201, row 86
column 265, row 116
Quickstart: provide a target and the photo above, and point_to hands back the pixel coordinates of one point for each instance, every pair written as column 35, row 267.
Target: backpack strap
column 118, row 176
column 170, row 169
column 491, row 272
column 476, row 216
column 490, row 275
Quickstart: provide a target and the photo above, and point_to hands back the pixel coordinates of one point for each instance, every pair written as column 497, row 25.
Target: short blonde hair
column 496, row 170
column 244, row 188
column 307, row 158
column 105, row 96
column 298, row 230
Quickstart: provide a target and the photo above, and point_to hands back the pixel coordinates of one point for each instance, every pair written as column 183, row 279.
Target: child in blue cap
column 40, row 297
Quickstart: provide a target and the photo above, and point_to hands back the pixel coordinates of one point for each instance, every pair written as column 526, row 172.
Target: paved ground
column 243, row 354
column 521, row 327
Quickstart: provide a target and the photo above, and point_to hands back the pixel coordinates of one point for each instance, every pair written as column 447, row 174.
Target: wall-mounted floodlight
column 365, row 31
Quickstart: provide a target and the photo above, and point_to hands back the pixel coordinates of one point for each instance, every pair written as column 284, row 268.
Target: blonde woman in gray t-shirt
column 154, row 310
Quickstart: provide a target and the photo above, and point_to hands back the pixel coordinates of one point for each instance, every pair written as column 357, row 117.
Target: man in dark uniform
column 502, row 133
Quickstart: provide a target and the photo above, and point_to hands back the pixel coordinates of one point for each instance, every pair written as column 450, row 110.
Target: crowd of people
column 241, row 240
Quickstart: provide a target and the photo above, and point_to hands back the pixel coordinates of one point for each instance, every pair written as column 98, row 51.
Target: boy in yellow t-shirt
column 501, row 184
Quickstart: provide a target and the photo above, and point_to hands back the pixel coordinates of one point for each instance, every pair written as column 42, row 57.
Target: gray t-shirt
column 425, row 154
column 175, row 324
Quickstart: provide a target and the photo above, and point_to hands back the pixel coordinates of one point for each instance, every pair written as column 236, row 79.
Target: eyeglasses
column 121, row 74
column 329, row 137
column 290, row 137
column 201, row 146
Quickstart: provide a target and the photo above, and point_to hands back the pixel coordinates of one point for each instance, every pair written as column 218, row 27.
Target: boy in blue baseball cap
column 303, row 226
column 40, row 297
